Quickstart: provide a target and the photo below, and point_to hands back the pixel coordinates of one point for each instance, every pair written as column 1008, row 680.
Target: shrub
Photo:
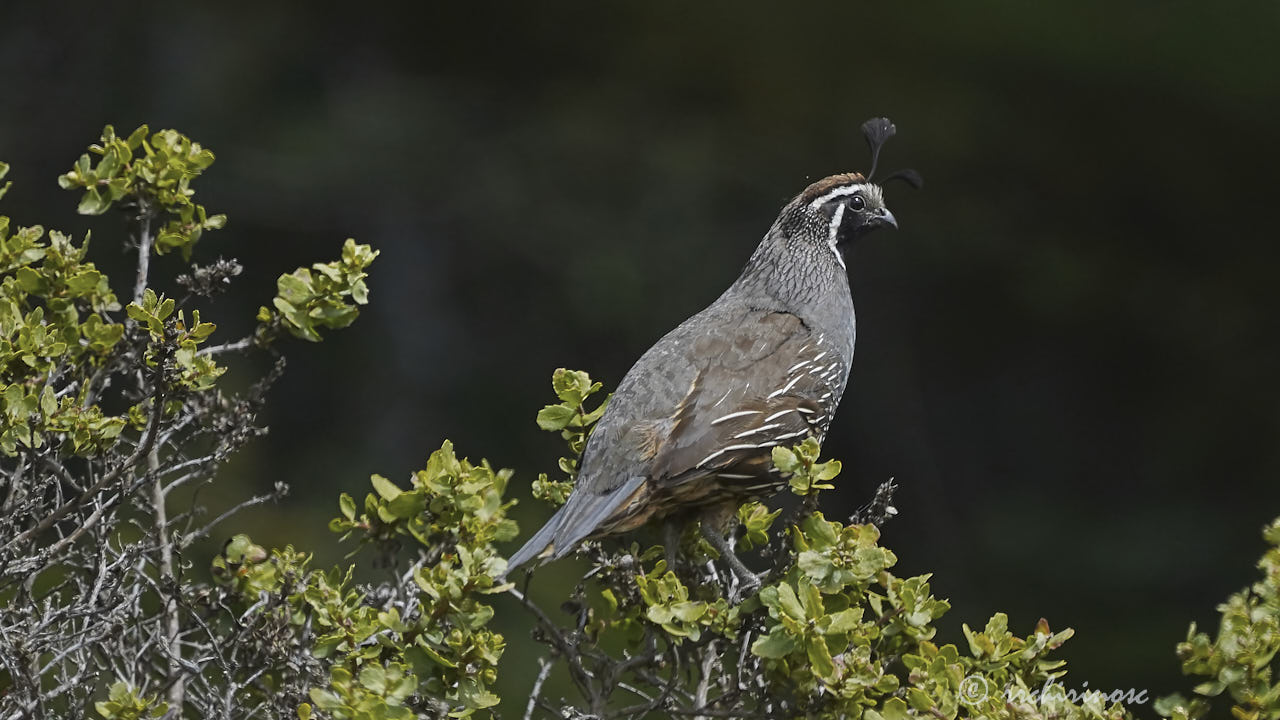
column 112, row 412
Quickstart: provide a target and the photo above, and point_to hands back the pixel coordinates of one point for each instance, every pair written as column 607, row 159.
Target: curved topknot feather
column 877, row 131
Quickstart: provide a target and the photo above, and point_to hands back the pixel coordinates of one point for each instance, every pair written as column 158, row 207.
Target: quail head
column 692, row 425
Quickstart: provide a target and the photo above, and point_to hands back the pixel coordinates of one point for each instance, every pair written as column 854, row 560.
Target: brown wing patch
column 764, row 396
column 645, row 438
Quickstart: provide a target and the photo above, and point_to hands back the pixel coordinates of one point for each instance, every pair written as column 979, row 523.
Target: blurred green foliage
column 1060, row 320
column 833, row 631
column 572, row 419
column 1241, row 659
column 123, row 703
column 435, row 642
column 52, row 308
column 324, row 296
column 837, row 634
column 103, row 414
column 160, row 177
column 55, row 306
column 840, row 636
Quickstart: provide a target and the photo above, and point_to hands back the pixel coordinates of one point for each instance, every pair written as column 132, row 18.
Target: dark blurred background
column 1066, row 357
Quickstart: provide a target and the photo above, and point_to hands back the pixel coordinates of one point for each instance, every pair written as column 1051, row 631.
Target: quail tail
column 580, row 517
column 537, row 544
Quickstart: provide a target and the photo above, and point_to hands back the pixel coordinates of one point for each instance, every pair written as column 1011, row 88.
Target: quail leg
column 671, row 542
column 750, row 581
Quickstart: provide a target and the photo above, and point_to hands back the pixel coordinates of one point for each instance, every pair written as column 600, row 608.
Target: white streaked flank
column 753, row 431
column 731, row 448
column 787, row 436
column 779, row 414
column 784, row 388
column 730, row 416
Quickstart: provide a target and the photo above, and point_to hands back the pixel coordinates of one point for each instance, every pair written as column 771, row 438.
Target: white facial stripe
column 873, row 193
column 833, row 229
column 838, row 192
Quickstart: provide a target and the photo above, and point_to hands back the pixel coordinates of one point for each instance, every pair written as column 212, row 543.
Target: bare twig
column 139, row 452
column 709, row 660
column 243, row 343
column 251, row 502
column 172, row 621
column 704, row 712
column 145, row 242
column 581, row 676
column 544, row 669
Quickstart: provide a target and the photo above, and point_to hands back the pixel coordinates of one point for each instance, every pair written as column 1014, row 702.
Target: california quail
column 692, row 424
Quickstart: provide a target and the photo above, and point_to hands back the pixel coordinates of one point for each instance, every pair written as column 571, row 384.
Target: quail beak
column 883, row 218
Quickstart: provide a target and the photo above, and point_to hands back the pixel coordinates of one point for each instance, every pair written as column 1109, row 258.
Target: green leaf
column 827, row 470
column 572, row 386
column 894, row 709
column 347, row 505
column 374, row 679
column 555, row 417
column 326, row 700
column 775, row 645
column 435, row 656
column 785, row 460
column 31, row 281
column 137, row 137
column 384, row 487
column 84, row 281
column 811, row 599
column 845, row 621
column 820, row 657
column 92, row 203
column 297, row 287
column 689, row 612
column 919, row 700
column 407, row 505
column 789, row 604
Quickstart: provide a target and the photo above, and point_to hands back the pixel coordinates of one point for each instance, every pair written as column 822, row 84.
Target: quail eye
column 857, row 203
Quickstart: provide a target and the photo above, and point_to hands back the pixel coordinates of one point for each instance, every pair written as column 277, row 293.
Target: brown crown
column 826, row 184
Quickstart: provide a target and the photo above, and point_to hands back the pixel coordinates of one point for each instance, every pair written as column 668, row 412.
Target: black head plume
column 906, row 175
column 878, row 131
